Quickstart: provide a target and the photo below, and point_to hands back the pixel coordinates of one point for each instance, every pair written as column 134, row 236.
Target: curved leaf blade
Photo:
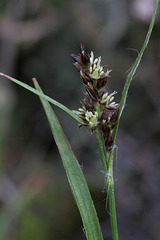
column 131, row 75
column 74, row 174
column 40, row 94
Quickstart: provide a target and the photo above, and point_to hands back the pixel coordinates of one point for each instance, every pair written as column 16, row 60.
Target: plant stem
column 107, row 161
column 111, row 197
column 102, row 150
column 108, row 168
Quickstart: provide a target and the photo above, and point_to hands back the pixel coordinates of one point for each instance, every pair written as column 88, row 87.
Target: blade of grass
column 132, row 72
column 74, row 174
column 109, row 167
column 64, row 108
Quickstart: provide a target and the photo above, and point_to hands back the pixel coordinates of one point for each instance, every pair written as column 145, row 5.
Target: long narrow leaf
column 24, row 85
column 131, row 74
column 74, row 174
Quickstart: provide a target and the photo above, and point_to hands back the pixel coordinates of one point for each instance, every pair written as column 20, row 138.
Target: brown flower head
column 98, row 107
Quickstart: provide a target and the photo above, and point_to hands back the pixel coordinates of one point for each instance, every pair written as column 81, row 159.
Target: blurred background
column 36, row 40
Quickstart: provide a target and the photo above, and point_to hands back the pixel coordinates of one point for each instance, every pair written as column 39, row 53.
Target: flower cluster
column 98, row 108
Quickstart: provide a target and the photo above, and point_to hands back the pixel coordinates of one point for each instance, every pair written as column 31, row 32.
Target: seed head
column 99, row 110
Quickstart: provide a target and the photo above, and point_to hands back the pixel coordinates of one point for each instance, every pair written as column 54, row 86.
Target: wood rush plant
column 101, row 115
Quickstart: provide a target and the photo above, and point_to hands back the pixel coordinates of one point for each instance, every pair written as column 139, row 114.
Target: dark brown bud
column 105, row 128
column 92, row 91
column 109, row 141
column 88, row 105
column 104, row 115
column 78, row 66
column 101, row 82
column 85, row 77
column 76, row 58
column 114, row 117
column 85, row 58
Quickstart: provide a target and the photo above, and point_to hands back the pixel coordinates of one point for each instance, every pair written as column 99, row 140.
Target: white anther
column 101, row 69
column 105, row 96
column 111, row 99
column 99, row 62
column 101, row 73
column 91, row 58
column 95, row 61
column 112, row 103
column 94, row 67
column 81, row 109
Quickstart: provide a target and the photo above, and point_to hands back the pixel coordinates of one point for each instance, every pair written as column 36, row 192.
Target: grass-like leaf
column 109, row 168
column 133, row 70
column 49, row 99
column 74, row 174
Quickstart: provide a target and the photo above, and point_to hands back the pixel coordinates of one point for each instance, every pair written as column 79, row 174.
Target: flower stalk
column 99, row 112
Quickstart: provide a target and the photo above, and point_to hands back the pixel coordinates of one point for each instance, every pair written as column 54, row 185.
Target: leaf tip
column 34, row 80
column 4, row 75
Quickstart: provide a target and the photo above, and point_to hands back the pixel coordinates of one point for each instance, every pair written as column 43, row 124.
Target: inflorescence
column 99, row 111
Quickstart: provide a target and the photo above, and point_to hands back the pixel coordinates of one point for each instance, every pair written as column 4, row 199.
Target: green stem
column 102, row 150
column 112, row 210
column 108, row 168
column 110, row 155
column 111, row 197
